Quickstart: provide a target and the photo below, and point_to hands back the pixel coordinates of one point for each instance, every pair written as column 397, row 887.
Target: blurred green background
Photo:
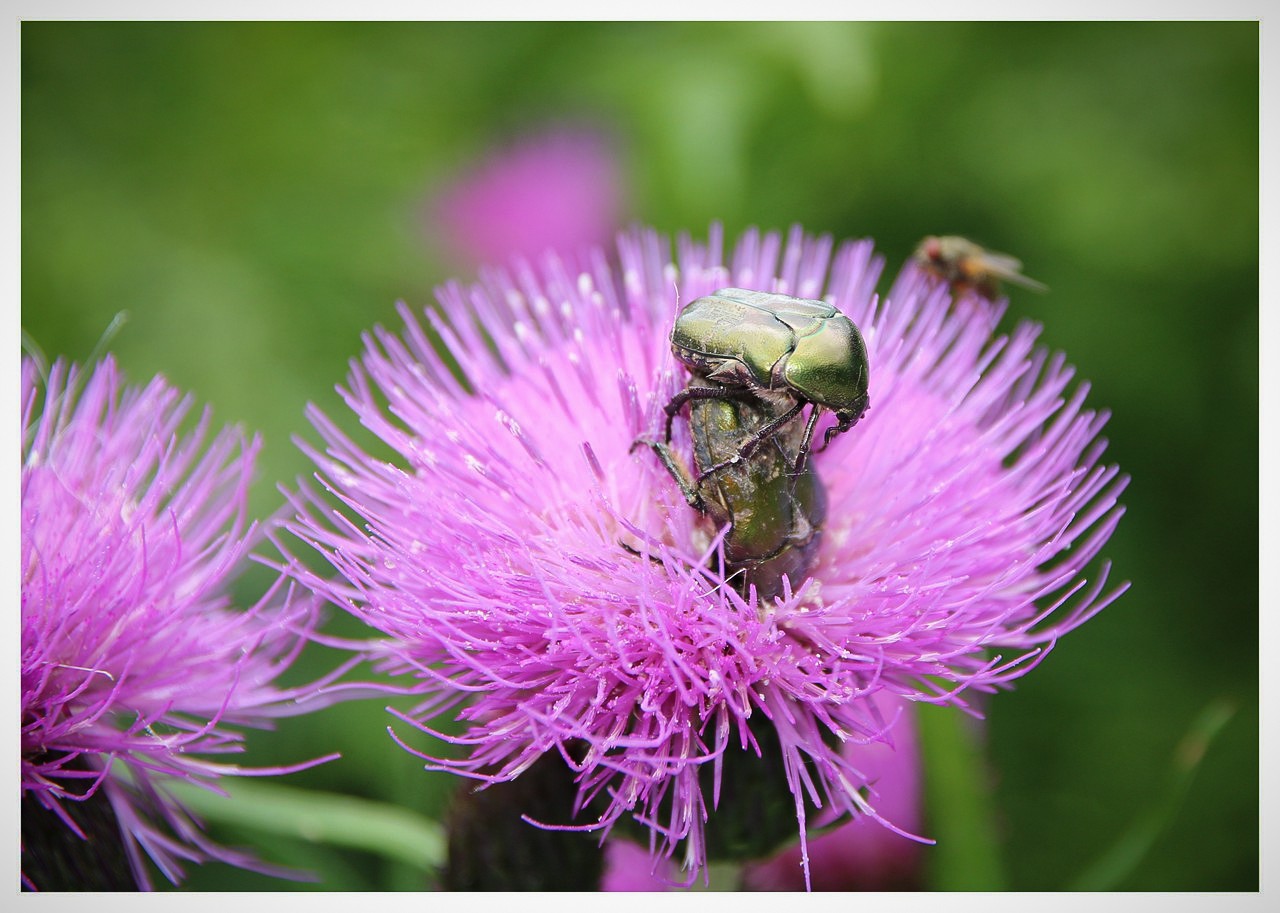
column 253, row 195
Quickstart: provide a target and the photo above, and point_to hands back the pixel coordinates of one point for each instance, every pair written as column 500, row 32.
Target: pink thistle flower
column 559, row 191
column 545, row 581
column 134, row 664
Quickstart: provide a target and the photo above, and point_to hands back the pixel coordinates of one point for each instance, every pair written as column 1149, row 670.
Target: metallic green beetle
column 775, row 515
column 777, row 349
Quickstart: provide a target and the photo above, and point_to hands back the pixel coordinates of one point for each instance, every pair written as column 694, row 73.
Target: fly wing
column 1007, row 269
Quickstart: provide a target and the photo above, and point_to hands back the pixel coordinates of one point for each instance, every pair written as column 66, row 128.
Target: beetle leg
column 755, row 440
column 847, row 421
column 679, row 472
column 803, row 452
column 691, row 392
column 842, row 426
column 639, row 554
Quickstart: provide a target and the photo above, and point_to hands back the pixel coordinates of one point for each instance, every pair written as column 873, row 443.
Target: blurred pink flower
column 629, row 867
column 862, row 855
column 558, row 191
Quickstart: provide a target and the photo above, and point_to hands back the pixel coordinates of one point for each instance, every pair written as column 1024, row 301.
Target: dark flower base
column 54, row 858
column 491, row 848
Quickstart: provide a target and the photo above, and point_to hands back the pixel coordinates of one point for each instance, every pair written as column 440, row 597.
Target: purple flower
column 546, row 583
column 558, row 191
column 134, row 664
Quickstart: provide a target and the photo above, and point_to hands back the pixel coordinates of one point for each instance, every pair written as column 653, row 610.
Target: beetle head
column 829, row 367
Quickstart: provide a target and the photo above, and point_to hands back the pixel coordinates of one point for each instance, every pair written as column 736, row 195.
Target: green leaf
column 376, row 827
column 1113, row 866
column 958, row 803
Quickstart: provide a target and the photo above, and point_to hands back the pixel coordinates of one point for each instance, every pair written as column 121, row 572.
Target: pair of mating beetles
column 756, row 360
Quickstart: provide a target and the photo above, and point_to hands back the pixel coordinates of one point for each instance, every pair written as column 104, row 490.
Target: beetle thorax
column 777, row 400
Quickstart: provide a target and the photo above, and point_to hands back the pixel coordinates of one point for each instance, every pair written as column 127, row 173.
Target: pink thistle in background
column 545, row 582
column 135, row 666
column 558, row 191
column 629, row 867
column 860, row 855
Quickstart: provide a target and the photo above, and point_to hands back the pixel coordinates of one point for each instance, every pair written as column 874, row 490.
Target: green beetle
column 774, row 348
column 774, row 514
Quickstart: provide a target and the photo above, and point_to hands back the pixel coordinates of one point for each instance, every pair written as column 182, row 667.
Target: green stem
column 959, row 804
column 319, row 817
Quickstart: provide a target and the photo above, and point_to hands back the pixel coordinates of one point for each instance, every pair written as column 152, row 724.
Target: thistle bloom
column 556, row 191
column 545, row 582
column 134, row 664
